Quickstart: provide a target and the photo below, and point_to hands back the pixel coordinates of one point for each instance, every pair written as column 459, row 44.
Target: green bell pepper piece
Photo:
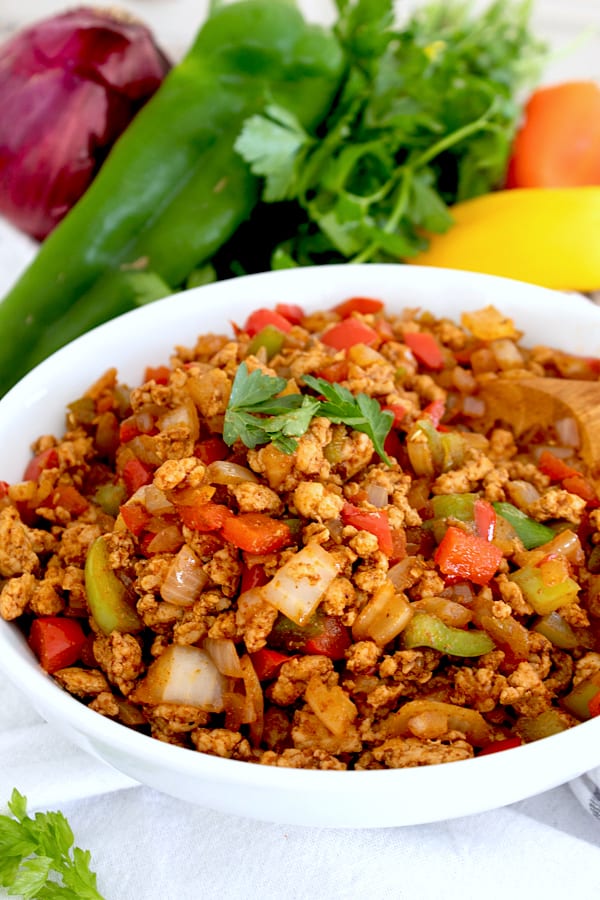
column 530, row 532
column 173, row 189
column 426, row 630
column 106, row 595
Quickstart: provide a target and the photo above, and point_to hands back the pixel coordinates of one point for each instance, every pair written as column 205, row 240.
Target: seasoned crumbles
column 317, row 544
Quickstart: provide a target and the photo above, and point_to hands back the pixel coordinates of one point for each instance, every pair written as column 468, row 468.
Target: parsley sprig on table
column 257, row 415
column 38, row 857
column 425, row 118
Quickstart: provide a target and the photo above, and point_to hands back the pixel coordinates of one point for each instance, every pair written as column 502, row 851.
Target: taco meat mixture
column 324, row 542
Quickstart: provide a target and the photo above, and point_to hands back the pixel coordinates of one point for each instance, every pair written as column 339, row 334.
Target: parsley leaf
column 256, row 415
column 38, row 859
column 360, row 412
column 424, row 118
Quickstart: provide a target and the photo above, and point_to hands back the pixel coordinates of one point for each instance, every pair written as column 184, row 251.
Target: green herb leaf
column 360, row 412
column 38, row 859
column 424, row 118
column 255, row 414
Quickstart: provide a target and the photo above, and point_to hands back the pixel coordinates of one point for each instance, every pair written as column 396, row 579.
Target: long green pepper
column 173, row 190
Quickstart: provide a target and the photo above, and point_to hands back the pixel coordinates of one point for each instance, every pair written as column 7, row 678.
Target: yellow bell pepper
column 546, row 236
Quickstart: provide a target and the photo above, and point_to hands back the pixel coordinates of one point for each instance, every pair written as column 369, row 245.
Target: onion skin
column 69, row 86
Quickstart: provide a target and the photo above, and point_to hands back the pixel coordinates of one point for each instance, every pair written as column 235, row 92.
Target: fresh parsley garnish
column 359, row 411
column 257, row 415
column 38, row 859
column 425, row 118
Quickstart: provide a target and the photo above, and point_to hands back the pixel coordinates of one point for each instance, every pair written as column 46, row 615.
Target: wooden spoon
column 539, row 402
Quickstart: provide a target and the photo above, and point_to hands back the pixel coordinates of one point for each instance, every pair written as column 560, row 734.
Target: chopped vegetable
column 384, row 616
column 261, row 318
column 69, row 86
column 435, row 718
column 322, row 635
column 584, row 700
column 173, row 190
column 425, row 347
column 107, row 596
column 348, row 333
column 185, row 675
column 56, row 641
column 558, row 144
column 297, row 588
column 426, row 630
column 39, row 857
column 376, row 523
column 530, row 532
column 539, row 235
column 547, row 586
column 557, row 629
column 256, row 532
column 467, row 556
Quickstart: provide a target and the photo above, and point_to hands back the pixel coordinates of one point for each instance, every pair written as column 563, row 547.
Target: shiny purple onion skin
column 69, row 86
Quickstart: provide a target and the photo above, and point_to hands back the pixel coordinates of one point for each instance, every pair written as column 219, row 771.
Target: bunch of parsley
column 425, row 118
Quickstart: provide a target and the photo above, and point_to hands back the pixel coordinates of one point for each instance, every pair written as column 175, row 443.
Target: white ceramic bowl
column 319, row 798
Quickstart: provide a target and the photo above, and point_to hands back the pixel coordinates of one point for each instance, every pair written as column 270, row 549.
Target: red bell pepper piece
column 47, row 459
column 135, row 475
column 211, row 450
column 57, row 642
column 334, row 372
column 207, row 517
column 376, row 523
column 467, row 556
column 323, row 635
column 256, row 532
column 594, row 705
column 291, row 312
column 135, row 516
column 69, row 498
column 348, row 333
column 398, row 411
column 554, row 467
column 260, row 318
column 425, row 348
column 159, row 374
column 484, row 515
column 267, row 662
column 362, row 305
column 253, row 577
column 496, row 746
column 434, row 411
column 577, row 484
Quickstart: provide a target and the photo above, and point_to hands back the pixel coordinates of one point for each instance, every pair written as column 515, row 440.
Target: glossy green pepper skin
column 173, row 190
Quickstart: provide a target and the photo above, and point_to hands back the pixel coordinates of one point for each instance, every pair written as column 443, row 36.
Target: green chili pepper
column 530, row 532
column 173, row 190
column 426, row 630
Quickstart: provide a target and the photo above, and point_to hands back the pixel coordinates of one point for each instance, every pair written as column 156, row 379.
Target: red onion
column 69, row 85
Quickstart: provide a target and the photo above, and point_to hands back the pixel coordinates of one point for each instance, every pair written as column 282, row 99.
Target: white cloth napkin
column 147, row 846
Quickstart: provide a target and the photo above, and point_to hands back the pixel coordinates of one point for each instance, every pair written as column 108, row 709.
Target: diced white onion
column 473, row 406
column 298, row 586
column 506, row 354
column 522, row 493
column 224, row 655
column 255, row 702
column 567, row 432
column 184, row 416
column 377, row 495
column 184, row 675
column 399, row 574
column 155, row 501
column 224, row 472
column 185, row 579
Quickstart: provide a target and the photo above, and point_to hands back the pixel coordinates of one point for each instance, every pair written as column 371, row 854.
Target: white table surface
column 147, row 846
